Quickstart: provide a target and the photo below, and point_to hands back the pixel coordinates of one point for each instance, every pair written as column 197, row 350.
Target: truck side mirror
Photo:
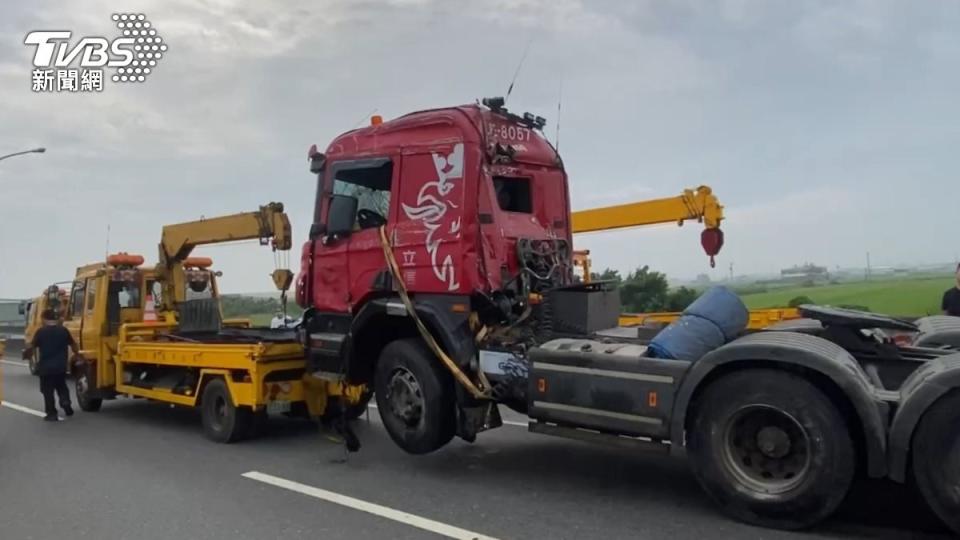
column 341, row 215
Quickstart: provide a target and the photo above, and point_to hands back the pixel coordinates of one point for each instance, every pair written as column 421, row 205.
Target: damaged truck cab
column 475, row 206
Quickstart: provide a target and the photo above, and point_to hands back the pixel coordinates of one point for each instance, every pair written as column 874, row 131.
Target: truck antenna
column 107, row 254
column 365, row 117
column 556, row 139
column 517, row 72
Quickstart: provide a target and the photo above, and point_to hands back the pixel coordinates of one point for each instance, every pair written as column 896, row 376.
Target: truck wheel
column 86, row 402
column 415, row 397
column 771, row 449
column 223, row 422
column 936, row 459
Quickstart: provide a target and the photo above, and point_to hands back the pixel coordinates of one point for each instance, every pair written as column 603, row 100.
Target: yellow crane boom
column 698, row 204
column 269, row 224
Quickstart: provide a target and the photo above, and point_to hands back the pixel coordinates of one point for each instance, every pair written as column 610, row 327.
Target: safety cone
column 149, row 313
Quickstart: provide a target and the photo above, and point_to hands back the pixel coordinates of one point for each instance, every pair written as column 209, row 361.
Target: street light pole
column 33, row 151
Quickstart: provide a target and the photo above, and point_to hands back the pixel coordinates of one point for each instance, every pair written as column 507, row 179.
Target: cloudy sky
column 828, row 129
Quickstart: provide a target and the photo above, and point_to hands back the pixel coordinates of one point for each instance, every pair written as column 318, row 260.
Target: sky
column 827, row 129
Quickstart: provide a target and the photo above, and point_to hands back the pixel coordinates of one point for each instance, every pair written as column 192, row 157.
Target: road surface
column 144, row 471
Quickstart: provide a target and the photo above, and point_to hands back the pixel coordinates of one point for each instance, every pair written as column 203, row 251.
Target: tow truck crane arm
column 693, row 204
column 699, row 204
column 270, row 225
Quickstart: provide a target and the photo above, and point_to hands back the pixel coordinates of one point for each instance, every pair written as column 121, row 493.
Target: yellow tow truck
column 158, row 333
column 699, row 204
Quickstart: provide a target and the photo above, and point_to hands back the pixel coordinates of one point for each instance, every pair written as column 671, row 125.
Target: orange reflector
column 376, row 120
column 124, row 259
column 541, row 385
column 458, row 308
column 535, row 298
column 198, row 262
column 652, row 399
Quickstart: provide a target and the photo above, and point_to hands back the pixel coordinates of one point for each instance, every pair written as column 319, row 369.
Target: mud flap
column 474, row 419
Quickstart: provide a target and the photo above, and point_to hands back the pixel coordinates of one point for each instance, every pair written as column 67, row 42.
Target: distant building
column 807, row 270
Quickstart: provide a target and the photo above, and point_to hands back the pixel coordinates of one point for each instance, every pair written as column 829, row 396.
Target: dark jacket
column 52, row 343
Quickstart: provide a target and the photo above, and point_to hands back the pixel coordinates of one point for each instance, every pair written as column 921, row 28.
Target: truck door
column 429, row 219
column 344, row 267
column 73, row 320
column 371, row 184
column 91, row 326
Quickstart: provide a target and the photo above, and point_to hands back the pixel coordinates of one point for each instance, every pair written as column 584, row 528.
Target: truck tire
column 771, row 449
column 86, row 402
column 223, row 422
column 415, row 397
column 936, row 459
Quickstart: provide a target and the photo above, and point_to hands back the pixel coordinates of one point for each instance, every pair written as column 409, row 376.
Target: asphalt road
column 144, row 471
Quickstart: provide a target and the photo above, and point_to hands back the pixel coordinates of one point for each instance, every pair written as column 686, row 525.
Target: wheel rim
column 405, row 397
column 766, row 449
column 219, row 412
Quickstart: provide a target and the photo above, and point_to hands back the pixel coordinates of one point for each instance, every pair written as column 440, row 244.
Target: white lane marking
column 396, row 515
column 21, row 408
column 505, row 422
column 14, row 363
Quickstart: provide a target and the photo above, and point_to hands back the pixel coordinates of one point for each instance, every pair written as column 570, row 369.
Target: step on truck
column 439, row 270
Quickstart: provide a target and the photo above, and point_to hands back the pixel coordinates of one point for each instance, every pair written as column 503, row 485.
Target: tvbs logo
column 64, row 67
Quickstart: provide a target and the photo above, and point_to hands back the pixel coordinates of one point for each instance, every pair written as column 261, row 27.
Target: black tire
column 771, row 449
column 223, row 422
column 935, row 459
column 85, row 400
column 415, row 397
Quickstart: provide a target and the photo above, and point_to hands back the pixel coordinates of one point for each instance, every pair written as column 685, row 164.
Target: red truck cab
column 456, row 188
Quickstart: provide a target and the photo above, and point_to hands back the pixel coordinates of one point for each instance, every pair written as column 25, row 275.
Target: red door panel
column 429, row 219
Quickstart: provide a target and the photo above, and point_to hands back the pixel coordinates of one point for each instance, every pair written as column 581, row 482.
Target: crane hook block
column 712, row 242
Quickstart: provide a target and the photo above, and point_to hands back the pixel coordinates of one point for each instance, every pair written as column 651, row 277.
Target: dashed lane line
column 21, row 408
column 399, row 516
column 14, row 363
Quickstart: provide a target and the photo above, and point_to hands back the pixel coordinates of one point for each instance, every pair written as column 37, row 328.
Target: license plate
column 278, row 407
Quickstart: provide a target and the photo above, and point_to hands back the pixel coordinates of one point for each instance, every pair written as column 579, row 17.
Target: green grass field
column 907, row 296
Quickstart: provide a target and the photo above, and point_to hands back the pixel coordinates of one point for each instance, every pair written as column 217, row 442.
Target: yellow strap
column 452, row 366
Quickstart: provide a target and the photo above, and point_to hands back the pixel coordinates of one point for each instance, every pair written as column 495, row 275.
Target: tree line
column 645, row 291
column 238, row 306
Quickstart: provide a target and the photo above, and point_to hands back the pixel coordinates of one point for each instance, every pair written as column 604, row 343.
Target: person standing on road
column 951, row 299
column 52, row 340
